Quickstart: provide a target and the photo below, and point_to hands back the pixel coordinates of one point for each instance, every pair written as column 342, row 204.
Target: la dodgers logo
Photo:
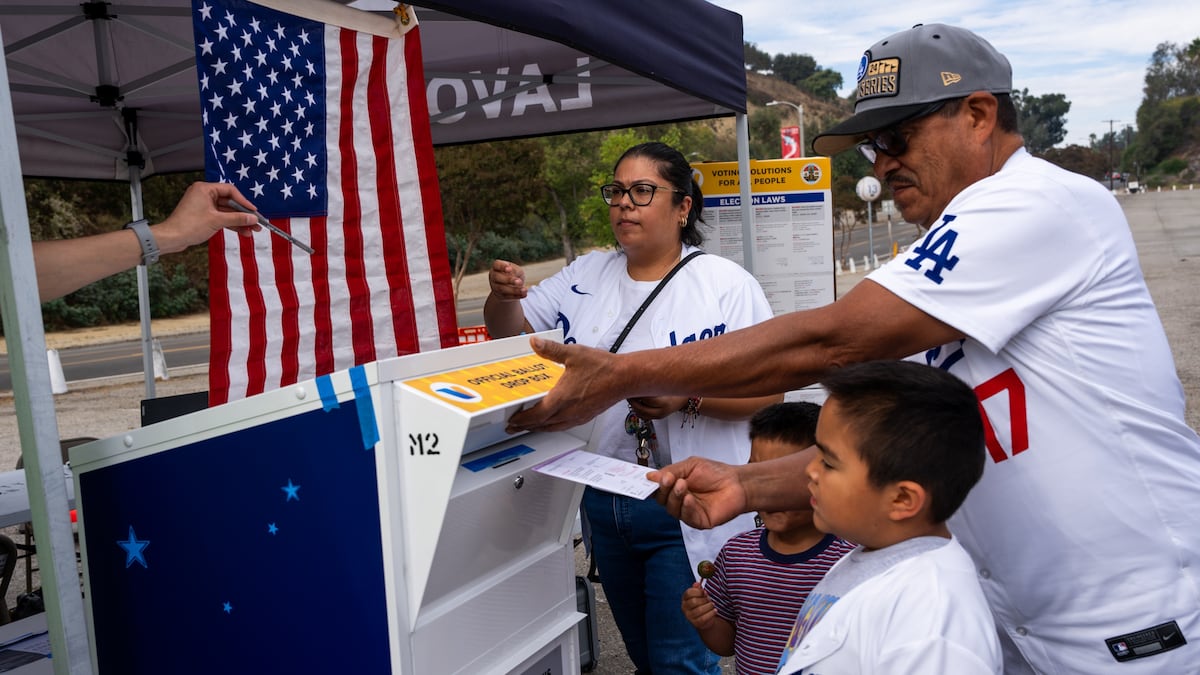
column 936, row 250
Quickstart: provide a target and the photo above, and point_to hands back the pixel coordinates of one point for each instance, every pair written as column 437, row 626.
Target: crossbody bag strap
column 650, row 298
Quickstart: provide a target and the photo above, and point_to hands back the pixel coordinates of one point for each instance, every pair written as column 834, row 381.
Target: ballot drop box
column 374, row 520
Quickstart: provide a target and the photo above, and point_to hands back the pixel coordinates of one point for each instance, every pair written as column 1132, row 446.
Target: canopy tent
column 98, row 88
column 108, row 91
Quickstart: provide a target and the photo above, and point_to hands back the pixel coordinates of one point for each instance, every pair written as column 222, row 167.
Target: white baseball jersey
column 922, row 616
column 592, row 299
column 1086, row 524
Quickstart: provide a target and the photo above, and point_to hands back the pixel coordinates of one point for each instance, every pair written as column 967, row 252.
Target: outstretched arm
column 787, row 352
column 704, row 493
column 66, row 265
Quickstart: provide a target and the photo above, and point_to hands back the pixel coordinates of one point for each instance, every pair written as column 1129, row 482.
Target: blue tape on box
column 366, row 409
column 328, row 395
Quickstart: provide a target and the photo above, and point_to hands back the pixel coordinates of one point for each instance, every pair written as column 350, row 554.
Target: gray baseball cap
column 907, row 75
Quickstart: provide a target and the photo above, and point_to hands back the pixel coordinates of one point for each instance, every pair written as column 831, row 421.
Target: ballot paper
column 602, row 473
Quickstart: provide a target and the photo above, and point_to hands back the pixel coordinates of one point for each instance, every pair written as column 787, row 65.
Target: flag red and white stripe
column 379, row 283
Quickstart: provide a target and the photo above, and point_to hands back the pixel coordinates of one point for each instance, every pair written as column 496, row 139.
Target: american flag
column 326, row 130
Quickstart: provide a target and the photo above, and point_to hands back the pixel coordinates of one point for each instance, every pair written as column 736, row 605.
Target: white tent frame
column 36, row 418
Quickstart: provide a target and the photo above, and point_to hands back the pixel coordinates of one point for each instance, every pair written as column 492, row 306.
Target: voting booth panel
column 377, row 519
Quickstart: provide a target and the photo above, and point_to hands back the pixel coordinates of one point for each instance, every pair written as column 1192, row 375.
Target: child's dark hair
column 792, row 422
column 913, row 422
column 675, row 169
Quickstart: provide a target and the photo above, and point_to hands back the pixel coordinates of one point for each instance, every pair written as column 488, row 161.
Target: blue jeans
column 644, row 570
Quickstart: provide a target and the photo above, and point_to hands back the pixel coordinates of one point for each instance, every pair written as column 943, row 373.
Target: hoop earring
column 682, row 222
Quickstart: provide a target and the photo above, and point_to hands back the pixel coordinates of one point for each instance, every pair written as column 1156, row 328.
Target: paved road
column 120, row 358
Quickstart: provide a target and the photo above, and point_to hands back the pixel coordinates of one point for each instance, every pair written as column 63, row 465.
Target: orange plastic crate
column 470, row 334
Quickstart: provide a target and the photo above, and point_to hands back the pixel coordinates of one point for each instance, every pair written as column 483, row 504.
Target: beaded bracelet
column 691, row 411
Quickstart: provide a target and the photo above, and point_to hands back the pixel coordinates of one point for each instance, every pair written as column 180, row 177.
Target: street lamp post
column 1110, row 153
column 800, row 117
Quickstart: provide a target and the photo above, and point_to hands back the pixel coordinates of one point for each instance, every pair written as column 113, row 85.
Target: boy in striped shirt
column 747, row 608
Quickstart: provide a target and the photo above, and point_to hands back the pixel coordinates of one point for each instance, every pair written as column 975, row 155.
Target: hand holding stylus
column 267, row 224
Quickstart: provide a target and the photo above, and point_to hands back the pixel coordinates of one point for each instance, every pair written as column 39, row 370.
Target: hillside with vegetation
column 533, row 199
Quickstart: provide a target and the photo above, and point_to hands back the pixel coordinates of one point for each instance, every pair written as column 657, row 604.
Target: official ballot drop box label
column 491, row 384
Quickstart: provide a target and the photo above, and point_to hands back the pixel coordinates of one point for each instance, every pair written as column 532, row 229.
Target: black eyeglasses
column 893, row 141
column 641, row 194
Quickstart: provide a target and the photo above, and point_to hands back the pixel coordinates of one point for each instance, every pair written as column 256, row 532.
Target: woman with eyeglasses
column 646, row 558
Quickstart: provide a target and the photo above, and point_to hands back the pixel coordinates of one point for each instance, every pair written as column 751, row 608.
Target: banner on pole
column 789, row 138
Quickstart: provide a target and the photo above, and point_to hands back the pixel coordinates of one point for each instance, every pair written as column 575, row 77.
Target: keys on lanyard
column 647, row 440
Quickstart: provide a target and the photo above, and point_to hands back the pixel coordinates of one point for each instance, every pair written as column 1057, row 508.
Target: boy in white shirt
column 900, row 445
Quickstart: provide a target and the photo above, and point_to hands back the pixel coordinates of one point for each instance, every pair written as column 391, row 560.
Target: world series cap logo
column 881, row 77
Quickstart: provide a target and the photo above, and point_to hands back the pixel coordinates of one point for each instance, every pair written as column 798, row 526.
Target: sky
column 1095, row 52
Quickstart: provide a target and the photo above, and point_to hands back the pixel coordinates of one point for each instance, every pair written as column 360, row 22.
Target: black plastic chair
column 8, row 564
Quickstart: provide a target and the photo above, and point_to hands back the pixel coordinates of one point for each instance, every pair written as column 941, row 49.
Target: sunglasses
column 893, row 141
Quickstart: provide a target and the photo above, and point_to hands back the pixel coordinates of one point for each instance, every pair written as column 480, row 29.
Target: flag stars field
column 291, row 490
column 134, row 549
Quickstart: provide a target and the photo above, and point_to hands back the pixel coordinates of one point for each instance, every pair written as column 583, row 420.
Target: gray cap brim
column 854, row 130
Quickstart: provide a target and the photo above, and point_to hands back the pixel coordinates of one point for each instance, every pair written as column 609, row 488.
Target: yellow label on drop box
column 490, row 385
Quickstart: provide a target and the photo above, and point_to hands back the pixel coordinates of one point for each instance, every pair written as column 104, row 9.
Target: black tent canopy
column 498, row 69
column 96, row 85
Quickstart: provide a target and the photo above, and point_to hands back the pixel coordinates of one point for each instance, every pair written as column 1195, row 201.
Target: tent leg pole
column 147, row 337
column 143, row 276
column 747, row 208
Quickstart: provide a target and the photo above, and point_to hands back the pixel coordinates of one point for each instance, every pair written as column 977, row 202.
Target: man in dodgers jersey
column 1027, row 287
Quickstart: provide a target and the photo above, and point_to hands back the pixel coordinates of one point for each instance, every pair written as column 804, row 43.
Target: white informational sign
column 793, row 226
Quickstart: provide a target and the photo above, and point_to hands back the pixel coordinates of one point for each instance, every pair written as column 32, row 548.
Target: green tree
column 1041, row 119
column 756, row 59
column 1167, row 117
column 1088, row 161
column 570, row 162
column 1174, row 71
column 487, row 187
column 793, row 68
column 823, row 84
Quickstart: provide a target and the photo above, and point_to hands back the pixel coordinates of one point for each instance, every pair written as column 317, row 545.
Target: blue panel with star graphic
column 257, row 551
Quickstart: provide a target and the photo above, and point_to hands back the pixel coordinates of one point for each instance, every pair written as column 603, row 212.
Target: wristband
column 141, row 228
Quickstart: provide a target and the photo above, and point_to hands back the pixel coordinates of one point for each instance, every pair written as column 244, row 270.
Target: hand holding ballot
column 600, row 472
